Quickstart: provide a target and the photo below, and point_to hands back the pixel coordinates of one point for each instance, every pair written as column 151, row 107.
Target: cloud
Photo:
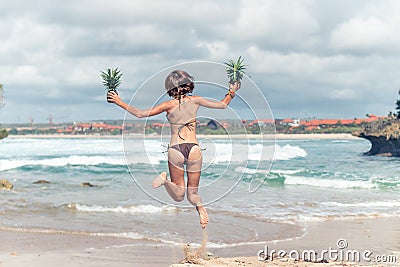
column 369, row 35
column 346, row 94
column 281, row 25
column 372, row 29
column 316, row 58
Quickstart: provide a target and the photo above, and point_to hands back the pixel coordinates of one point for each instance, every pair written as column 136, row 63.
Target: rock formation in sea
column 86, row 184
column 41, row 182
column 5, row 185
column 384, row 136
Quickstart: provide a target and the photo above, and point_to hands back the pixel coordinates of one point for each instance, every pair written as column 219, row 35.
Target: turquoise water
column 309, row 180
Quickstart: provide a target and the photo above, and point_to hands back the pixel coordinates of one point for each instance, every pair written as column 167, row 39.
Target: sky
column 309, row 58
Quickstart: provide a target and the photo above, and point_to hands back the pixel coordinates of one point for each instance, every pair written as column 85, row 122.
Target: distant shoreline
column 279, row 136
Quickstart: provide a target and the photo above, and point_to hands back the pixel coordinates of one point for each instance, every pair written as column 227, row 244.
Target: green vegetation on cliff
column 3, row 133
column 388, row 128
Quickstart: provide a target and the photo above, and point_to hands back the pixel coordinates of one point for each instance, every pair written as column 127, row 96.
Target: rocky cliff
column 384, row 136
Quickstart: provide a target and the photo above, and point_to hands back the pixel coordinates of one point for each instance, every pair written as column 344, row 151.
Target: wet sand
column 381, row 236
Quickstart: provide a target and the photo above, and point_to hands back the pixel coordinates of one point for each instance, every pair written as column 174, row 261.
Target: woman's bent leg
column 194, row 197
column 192, row 188
column 193, row 171
column 175, row 187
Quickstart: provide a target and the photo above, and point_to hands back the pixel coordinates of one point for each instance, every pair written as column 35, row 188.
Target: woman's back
column 183, row 121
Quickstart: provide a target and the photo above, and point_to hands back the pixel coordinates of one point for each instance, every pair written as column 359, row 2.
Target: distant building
column 212, row 124
column 331, row 122
column 261, row 122
column 290, row 122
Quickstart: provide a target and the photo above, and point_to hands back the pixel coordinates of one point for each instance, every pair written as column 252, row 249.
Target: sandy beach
column 381, row 236
column 318, row 192
column 340, row 136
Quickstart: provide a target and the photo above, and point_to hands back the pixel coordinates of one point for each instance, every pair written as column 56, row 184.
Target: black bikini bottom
column 184, row 148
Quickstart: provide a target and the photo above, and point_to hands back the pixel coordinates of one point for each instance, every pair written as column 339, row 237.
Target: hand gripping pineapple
column 235, row 72
column 111, row 80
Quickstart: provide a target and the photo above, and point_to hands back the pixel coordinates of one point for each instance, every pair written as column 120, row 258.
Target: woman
column 183, row 148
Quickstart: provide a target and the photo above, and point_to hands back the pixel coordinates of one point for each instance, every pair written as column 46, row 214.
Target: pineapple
column 111, row 79
column 235, row 70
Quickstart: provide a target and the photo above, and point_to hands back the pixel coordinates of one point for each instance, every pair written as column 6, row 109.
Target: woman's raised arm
column 112, row 97
column 208, row 103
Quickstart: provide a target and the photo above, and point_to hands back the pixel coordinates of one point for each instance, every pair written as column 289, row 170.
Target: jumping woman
column 184, row 147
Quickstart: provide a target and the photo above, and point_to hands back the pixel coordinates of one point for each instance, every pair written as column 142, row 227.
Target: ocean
column 251, row 197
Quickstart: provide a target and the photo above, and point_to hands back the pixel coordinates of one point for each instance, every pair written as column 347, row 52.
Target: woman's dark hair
column 179, row 83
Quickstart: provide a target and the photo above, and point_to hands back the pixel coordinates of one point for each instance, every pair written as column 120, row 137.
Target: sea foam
column 332, row 183
column 121, row 209
column 223, row 154
column 8, row 164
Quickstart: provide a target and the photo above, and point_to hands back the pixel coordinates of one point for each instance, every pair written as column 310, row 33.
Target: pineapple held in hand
column 111, row 79
column 235, row 70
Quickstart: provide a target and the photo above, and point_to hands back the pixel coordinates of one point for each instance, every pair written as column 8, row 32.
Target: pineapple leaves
column 111, row 78
column 235, row 70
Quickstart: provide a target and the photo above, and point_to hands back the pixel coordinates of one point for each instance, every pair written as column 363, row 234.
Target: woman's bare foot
column 159, row 180
column 203, row 216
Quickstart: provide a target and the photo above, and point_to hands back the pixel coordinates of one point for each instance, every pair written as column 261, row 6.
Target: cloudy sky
column 325, row 59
